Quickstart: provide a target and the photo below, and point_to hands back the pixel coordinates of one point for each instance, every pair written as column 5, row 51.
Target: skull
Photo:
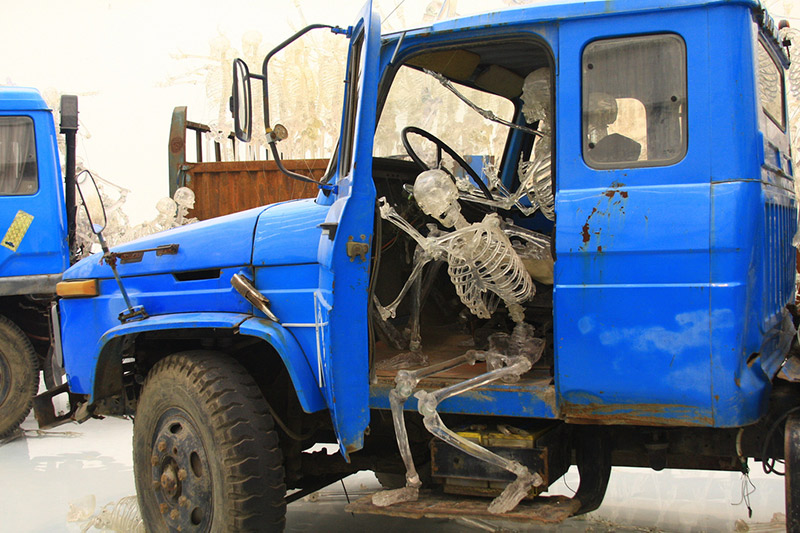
column 167, row 207
column 184, row 197
column 437, row 196
column 536, row 96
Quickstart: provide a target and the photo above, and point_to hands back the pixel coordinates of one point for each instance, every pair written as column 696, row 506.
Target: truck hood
column 216, row 243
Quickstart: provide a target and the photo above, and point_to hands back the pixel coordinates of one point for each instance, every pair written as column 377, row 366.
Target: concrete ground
column 54, row 481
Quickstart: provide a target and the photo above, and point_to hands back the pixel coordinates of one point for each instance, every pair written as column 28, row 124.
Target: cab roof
column 554, row 10
column 21, row 99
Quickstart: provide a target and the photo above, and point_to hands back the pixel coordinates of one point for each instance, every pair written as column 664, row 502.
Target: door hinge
column 357, row 249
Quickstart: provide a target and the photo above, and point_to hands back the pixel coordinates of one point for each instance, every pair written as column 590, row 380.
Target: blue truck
column 36, row 224
column 597, row 271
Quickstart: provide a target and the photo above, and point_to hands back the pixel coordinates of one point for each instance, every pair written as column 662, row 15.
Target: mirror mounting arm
column 294, row 175
column 281, row 46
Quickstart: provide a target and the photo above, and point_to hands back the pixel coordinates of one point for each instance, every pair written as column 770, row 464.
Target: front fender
column 293, row 358
column 110, row 345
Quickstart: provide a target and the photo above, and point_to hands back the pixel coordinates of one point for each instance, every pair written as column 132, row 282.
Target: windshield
column 418, row 99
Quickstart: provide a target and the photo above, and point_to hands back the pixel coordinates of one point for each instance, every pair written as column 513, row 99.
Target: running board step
column 544, row 509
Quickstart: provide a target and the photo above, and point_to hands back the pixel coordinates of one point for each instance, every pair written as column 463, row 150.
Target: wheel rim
column 181, row 473
column 5, row 378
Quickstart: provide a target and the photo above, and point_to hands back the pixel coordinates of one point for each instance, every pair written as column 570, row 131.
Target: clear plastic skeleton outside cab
column 171, row 213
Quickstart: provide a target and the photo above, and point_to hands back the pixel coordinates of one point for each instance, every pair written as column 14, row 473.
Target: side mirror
column 242, row 101
column 92, row 202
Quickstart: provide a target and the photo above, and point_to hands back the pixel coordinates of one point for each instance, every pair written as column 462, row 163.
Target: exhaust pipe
column 69, row 127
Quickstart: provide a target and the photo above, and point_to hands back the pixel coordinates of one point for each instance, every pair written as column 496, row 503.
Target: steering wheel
column 441, row 147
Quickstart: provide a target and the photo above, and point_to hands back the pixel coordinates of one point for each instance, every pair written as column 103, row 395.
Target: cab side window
column 771, row 87
column 634, row 101
column 18, row 172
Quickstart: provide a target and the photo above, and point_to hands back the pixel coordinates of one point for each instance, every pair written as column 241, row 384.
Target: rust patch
column 635, row 414
column 352, row 448
column 176, row 144
column 547, row 510
column 618, row 203
column 585, row 231
column 600, row 249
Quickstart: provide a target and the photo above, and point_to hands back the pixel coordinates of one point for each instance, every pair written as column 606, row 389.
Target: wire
column 389, row 243
column 291, row 434
column 345, row 490
column 768, row 464
column 485, row 113
column 392, row 12
column 748, row 488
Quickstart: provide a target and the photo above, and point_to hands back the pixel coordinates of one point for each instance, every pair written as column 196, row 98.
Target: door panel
column 341, row 303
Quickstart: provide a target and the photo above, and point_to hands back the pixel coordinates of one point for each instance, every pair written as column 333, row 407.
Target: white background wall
column 131, row 62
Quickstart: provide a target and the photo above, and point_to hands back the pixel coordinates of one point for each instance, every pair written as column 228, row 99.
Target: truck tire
column 205, row 453
column 791, row 452
column 19, row 376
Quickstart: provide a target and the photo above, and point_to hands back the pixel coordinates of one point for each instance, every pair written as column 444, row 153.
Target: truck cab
column 552, row 235
column 34, row 250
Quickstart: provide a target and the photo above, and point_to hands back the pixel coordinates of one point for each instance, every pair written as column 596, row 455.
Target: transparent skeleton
column 166, row 219
column 482, row 263
column 508, row 357
column 485, row 268
column 121, row 516
column 184, row 197
column 535, row 191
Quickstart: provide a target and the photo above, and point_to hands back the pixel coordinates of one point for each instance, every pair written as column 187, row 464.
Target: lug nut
column 163, row 508
column 183, row 501
column 162, row 446
column 182, row 474
column 174, row 514
column 154, row 459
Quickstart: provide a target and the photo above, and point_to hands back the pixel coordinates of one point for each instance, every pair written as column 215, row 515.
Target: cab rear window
column 634, row 101
column 18, row 172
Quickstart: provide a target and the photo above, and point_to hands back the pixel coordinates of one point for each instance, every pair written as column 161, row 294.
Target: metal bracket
column 135, row 256
column 357, row 249
column 45, row 411
column 131, row 314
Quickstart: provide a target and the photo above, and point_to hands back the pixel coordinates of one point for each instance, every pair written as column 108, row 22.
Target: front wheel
column 205, row 454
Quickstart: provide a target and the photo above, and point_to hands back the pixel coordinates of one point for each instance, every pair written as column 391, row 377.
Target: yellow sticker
column 17, row 230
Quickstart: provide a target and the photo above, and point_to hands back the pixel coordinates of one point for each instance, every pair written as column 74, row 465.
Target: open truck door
column 341, row 304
